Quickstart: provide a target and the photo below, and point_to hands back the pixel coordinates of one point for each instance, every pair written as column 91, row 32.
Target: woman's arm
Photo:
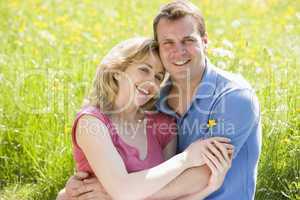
column 189, row 182
column 170, row 150
column 195, row 179
column 95, row 141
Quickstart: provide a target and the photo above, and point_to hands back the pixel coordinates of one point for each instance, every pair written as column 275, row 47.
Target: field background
column 49, row 51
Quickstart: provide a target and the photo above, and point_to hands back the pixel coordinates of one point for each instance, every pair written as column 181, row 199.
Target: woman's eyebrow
column 150, row 66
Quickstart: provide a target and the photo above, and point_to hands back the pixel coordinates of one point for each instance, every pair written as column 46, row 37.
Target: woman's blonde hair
column 105, row 86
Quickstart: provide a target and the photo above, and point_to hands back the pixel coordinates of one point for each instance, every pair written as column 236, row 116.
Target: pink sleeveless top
column 160, row 131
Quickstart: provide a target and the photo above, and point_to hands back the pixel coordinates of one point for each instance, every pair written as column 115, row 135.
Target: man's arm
column 237, row 116
column 237, row 113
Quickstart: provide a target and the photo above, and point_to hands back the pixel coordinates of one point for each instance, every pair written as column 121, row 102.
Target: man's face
column 181, row 47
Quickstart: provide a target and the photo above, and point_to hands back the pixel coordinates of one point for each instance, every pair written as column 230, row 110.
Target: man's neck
column 183, row 91
column 187, row 85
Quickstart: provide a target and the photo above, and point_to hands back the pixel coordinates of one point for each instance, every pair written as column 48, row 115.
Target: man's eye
column 168, row 43
column 190, row 40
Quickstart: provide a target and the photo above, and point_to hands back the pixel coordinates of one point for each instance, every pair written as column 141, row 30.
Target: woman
column 129, row 149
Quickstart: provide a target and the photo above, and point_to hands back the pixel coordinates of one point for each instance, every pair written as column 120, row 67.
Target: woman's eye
column 143, row 69
column 168, row 43
column 159, row 78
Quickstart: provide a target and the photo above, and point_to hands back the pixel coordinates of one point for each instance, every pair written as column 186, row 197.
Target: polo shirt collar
column 161, row 104
column 205, row 89
column 208, row 84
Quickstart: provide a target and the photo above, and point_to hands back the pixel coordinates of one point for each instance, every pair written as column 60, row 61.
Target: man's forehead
column 182, row 27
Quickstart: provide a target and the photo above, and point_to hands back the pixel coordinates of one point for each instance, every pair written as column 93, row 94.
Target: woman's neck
column 130, row 114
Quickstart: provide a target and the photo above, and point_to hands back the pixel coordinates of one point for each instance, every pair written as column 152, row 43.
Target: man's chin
column 182, row 74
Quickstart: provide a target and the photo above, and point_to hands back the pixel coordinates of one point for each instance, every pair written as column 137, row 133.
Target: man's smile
column 180, row 63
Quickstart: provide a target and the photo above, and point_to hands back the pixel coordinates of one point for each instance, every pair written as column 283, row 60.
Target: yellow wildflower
column 211, row 123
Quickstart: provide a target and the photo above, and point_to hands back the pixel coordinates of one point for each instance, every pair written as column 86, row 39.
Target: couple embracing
column 161, row 122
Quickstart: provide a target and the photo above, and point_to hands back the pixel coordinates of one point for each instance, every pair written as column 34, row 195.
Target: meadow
column 49, row 51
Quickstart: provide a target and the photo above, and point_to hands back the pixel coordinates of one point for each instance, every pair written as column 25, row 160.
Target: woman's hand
column 219, row 165
column 201, row 147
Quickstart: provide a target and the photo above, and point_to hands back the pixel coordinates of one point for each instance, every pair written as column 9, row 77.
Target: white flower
column 270, row 52
column 274, row 66
column 219, row 31
column 40, row 17
column 258, row 70
column 282, row 108
column 235, row 23
column 221, row 64
column 47, row 36
column 289, row 27
column 298, row 15
column 2, row 127
column 2, row 59
column 223, row 53
column 227, row 44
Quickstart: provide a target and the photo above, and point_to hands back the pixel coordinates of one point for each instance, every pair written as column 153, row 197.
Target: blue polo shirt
column 225, row 105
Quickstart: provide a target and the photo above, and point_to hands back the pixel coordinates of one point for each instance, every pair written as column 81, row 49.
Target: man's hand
column 75, row 185
column 197, row 149
column 80, row 187
column 96, row 191
column 219, row 166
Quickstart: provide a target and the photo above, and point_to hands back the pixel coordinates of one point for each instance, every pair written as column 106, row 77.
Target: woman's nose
column 150, row 86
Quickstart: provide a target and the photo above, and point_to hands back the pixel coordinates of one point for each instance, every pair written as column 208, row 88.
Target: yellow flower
column 66, row 129
column 62, row 19
column 211, row 123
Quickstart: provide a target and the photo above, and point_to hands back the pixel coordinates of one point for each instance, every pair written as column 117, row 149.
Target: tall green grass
column 49, row 51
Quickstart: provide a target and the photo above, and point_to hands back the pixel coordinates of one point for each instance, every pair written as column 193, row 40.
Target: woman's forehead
column 155, row 62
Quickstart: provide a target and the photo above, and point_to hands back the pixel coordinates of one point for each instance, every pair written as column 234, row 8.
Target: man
column 205, row 101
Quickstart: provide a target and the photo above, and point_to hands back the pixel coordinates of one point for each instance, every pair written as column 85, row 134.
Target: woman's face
column 140, row 82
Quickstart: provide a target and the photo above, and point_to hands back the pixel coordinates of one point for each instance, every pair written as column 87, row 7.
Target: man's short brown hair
column 176, row 10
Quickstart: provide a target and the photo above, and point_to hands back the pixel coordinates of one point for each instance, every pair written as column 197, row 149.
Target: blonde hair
column 105, row 87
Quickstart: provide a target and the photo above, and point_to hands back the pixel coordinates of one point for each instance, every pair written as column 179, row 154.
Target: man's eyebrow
column 189, row 37
column 166, row 39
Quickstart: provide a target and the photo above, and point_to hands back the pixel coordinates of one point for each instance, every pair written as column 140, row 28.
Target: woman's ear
column 117, row 76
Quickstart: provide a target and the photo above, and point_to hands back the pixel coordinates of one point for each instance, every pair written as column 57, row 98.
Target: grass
column 49, row 51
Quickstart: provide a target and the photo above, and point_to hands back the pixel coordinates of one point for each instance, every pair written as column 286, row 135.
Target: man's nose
column 179, row 48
